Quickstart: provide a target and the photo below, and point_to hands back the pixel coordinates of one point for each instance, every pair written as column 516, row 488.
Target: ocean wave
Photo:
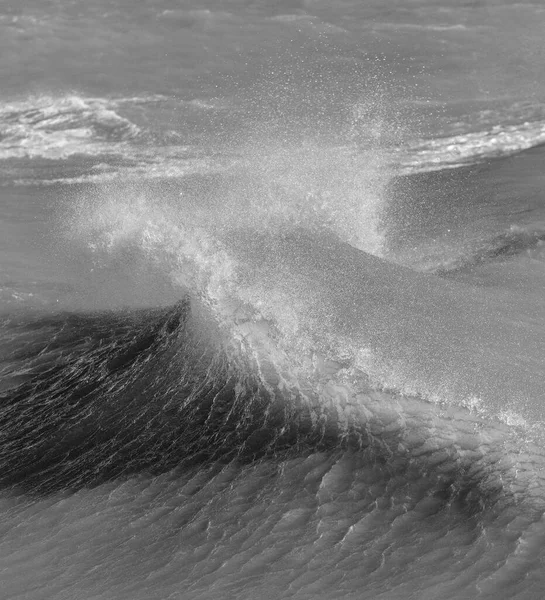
column 60, row 127
column 300, row 404
column 86, row 140
column 141, row 425
column 470, row 148
column 89, row 398
column 320, row 295
column 68, row 127
column 174, row 162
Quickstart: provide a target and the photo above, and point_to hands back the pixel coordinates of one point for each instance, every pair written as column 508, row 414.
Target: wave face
column 89, row 398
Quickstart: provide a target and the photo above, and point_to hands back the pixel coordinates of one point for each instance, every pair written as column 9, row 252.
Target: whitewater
column 272, row 320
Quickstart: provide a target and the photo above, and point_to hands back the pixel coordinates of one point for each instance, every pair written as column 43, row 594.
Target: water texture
column 272, row 316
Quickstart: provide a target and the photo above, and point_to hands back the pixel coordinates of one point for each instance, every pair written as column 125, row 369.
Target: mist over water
column 271, row 300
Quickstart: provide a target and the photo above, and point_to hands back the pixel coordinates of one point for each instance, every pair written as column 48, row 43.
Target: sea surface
column 272, row 299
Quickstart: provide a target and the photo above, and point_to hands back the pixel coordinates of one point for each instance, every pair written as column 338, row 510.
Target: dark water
column 272, row 316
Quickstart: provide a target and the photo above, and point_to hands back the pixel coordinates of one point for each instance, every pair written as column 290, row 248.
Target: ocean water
column 272, row 310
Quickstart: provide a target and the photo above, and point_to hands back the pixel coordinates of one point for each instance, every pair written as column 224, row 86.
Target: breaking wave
column 471, row 148
column 92, row 140
column 56, row 128
column 301, row 384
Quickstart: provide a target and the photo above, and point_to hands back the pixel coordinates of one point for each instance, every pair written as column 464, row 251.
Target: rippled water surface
column 272, row 312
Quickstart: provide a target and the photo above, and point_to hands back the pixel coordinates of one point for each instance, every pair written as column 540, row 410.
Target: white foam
column 469, row 148
column 54, row 128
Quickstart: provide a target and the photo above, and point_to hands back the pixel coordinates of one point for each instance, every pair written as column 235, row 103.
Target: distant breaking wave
column 471, row 148
column 58, row 128
column 73, row 127
column 91, row 140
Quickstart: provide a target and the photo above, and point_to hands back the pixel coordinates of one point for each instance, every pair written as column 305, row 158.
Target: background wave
column 109, row 139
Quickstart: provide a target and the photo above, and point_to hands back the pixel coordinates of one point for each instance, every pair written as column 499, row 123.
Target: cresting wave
column 307, row 407
column 141, row 413
column 293, row 268
column 219, row 425
column 89, row 398
column 313, row 329
column 271, row 300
